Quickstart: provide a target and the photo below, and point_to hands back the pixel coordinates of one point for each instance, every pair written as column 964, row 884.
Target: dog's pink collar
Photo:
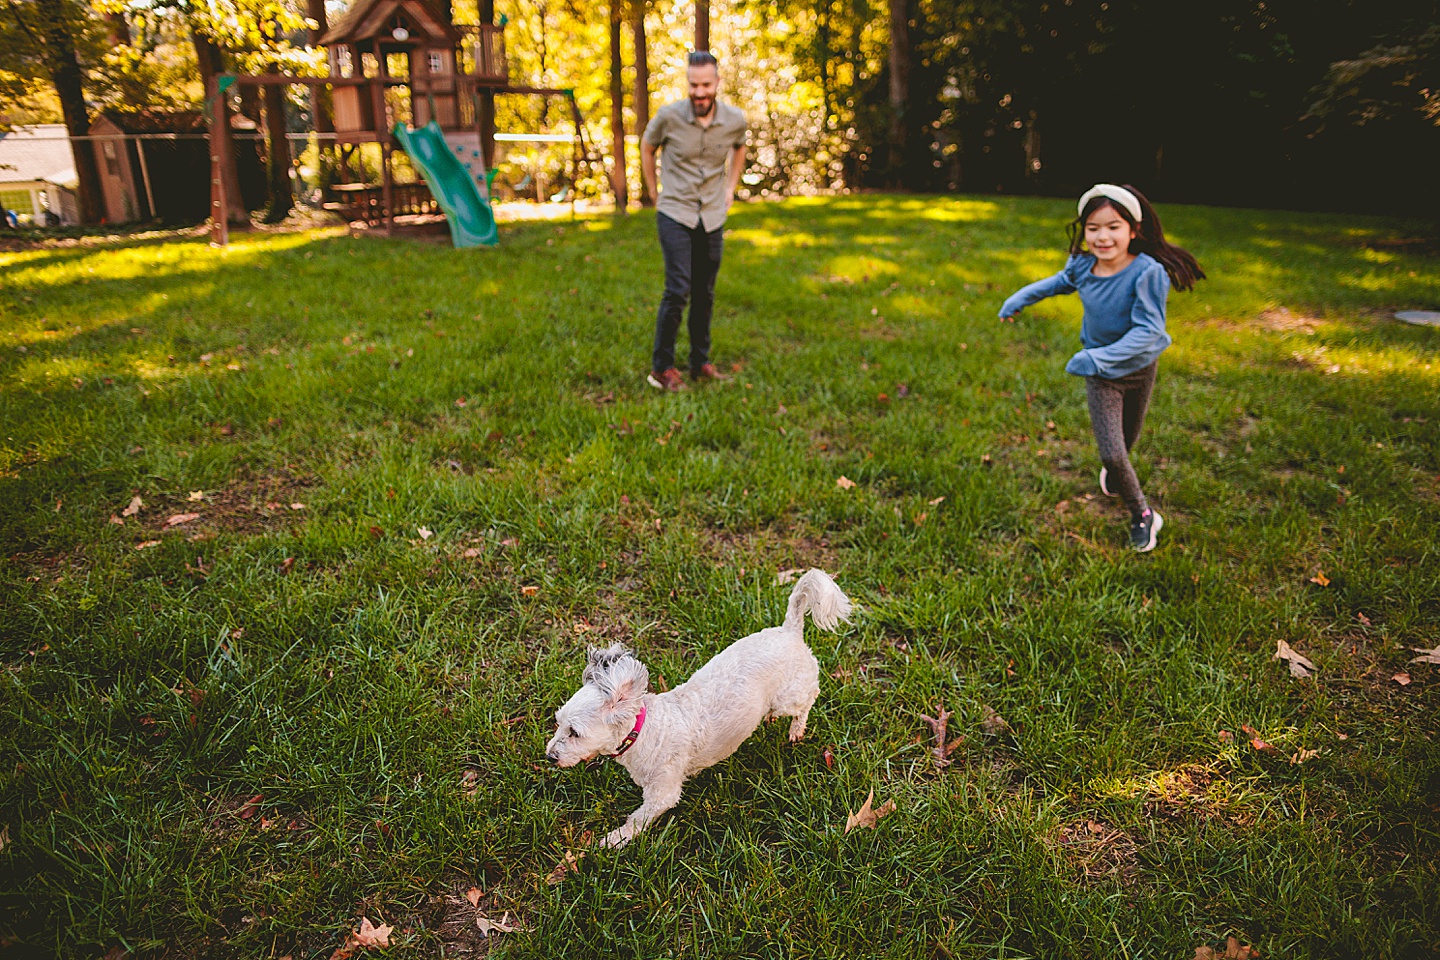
column 630, row 737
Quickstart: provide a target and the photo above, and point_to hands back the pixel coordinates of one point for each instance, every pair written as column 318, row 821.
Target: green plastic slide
column 472, row 222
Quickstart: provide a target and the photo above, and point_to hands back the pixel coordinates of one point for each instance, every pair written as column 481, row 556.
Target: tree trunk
column 619, row 181
column 282, row 195
column 65, row 74
column 486, row 100
column 641, row 103
column 822, row 54
column 702, row 24
column 319, row 99
column 899, row 90
column 119, row 29
column 210, row 59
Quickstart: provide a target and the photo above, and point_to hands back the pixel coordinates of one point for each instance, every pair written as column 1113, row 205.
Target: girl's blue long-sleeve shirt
column 1124, row 325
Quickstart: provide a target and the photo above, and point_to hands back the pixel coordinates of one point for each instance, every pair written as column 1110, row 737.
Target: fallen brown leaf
column 136, row 504
column 425, row 533
column 1402, row 678
column 196, row 496
column 1300, row 666
column 1320, row 578
column 175, row 519
column 567, row 865
column 367, row 936
column 473, row 895
column 488, row 926
column 844, row 483
column 937, row 501
column 788, row 576
column 529, row 591
column 287, row 565
column 1426, row 656
column 1233, row 951
column 866, row 817
column 829, row 757
column 116, row 520
column 937, row 732
column 470, row 552
column 250, row 807
column 1304, row 755
column 1226, row 736
column 147, row 544
column 994, row 725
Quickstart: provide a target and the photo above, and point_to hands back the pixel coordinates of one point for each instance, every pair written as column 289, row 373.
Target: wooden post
column 702, row 24
column 382, row 133
column 220, row 147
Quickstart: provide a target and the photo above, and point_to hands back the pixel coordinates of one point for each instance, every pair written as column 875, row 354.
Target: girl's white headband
column 1120, row 195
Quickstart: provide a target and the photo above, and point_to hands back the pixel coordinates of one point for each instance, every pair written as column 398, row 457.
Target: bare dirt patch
column 251, row 505
column 1097, row 851
column 1284, row 320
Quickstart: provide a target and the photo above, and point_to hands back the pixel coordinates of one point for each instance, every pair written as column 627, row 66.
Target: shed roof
column 155, row 121
column 366, row 19
column 37, row 152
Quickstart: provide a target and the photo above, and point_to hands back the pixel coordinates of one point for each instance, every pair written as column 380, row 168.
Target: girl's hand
column 1009, row 319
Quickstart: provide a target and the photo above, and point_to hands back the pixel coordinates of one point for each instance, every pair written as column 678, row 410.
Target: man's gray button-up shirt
column 692, row 161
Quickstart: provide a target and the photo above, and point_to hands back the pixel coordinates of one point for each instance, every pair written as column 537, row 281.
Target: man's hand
column 737, row 167
column 647, row 166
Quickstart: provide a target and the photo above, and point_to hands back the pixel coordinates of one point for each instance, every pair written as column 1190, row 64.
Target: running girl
column 1123, row 269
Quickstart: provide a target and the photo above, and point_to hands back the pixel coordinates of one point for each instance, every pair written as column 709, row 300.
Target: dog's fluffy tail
column 817, row 595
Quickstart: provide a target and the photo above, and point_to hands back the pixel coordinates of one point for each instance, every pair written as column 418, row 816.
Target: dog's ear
column 598, row 660
column 627, row 679
column 616, row 674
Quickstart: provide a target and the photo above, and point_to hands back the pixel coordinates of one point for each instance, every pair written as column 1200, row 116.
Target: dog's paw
column 615, row 839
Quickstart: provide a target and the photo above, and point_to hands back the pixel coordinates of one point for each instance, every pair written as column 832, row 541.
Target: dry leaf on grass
column 473, row 895
column 147, row 544
column 937, row 501
column 175, row 519
column 529, row 591
column 196, row 496
column 503, row 925
column 135, row 506
column 1426, row 656
column 1232, row 951
column 1300, row 666
column 366, row 937
column 1402, row 678
column 425, row 533
column 844, row 483
column 1304, row 755
column 116, row 520
column 1320, row 578
column 567, row 865
column 994, row 725
column 787, row 576
column 1260, row 746
column 942, row 746
column 867, row 817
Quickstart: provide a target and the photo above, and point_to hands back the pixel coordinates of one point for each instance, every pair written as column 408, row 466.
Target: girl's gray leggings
column 1117, row 412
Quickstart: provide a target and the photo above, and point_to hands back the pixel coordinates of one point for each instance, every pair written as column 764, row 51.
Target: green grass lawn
column 327, row 697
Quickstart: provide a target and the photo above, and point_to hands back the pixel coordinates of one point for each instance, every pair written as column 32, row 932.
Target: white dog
column 664, row 739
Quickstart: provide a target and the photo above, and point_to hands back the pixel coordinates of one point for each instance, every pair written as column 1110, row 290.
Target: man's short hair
column 702, row 58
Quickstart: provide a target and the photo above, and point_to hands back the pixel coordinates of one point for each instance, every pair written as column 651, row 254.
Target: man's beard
column 709, row 105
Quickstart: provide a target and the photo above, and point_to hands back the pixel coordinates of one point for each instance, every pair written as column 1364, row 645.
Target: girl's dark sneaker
column 1145, row 530
column 1104, row 483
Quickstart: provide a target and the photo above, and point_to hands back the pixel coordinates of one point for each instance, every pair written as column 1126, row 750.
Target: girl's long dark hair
column 1178, row 262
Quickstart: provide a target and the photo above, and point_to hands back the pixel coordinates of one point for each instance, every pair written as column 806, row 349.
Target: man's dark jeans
column 692, row 261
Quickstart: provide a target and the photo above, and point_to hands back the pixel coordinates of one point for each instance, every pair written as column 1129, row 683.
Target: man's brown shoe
column 666, row 380
column 708, row 372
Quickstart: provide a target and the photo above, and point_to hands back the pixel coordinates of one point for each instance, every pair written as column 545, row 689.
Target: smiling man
column 702, row 142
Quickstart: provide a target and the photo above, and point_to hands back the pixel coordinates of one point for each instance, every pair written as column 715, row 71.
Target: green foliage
column 388, row 696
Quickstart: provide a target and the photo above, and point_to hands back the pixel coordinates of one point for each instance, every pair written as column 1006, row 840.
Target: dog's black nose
column 552, row 757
